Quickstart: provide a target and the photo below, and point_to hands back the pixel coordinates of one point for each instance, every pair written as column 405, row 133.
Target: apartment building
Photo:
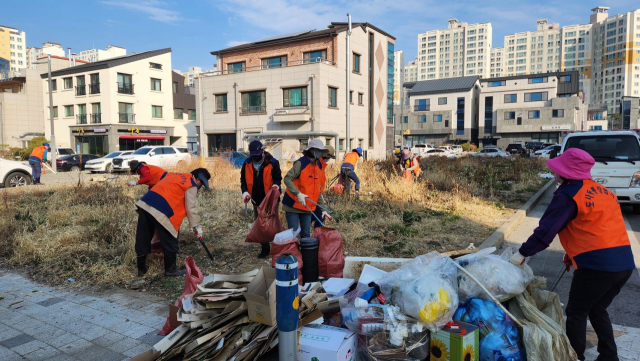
column 441, row 111
column 95, row 55
column 121, row 103
column 629, row 113
column 398, row 76
column 459, row 50
column 411, row 71
column 577, row 47
column 534, row 107
column 497, row 60
column 48, row 48
column 533, row 52
column 184, row 109
column 13, row 50
column 291, row 88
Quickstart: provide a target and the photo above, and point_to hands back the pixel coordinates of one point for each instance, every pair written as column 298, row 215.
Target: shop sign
column 556, row 127
column 158, row 131
column 100, row 130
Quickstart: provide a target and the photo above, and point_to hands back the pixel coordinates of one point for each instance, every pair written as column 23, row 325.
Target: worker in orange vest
column 348, row 170
column 163, row 209
column 259, row 173
column 588, row 219
column 409, row 164
column 37, row 157
column 149, row 174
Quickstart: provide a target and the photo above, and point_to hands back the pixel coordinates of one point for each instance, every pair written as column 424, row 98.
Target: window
column 565, row 79
column 254, row 102
column 422, row 119
column 406, row 119
column 294, row 97
column 314, row 56
column 557, row 113
column 68, row 83
column 360, row 98
column 125, row 111
column 54, row 85
column 422, row 105
column 125, row 84
column 96, row 113
column 275, row 62
column 94, row 87
column 155, row 66
column 442, row 101
column 341, row 144
column 175, row 87
column 497, row 83
column 155, row 84
column 538, row 80
column 534, row 114
column 55, row 112
column 535, row 97
column 221, row 103
column 509, row 115
column 356, row 63
column 510, row 98
column 178, row 113
column 156, row 111
column 437, row 117
column 460, row 116
column 68, row 110
column 237, row 67
column 192, row 114
column 333, row 97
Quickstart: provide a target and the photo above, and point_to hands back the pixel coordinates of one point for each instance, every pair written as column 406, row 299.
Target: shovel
column 205, row 248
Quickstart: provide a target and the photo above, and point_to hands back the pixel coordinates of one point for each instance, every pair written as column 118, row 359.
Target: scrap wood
column 460, row 252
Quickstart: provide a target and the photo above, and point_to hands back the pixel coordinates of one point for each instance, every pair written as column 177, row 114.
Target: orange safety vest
column 413, row 161
column 311, row 182
column 157, row 174
column 597, row 238
column 168, row 196
column 39, row 152
column 267, row 178
column 351, row 158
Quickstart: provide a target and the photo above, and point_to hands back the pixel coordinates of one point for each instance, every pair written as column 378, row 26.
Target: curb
column 496, row 239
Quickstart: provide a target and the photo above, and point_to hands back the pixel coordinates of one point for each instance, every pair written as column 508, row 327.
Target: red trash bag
column 291, row 248
column 330, row 256
column 192, row 279
column 268, row 224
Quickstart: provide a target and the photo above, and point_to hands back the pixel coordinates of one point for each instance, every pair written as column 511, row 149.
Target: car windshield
column 113, row 155
column 142, row 151
column 515, row 145
column 607, row 148
column 64, row 151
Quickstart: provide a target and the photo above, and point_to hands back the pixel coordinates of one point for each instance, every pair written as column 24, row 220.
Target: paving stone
column 137, row 331
column 29, row 347
column 5, row 352
column 124, row 345
column 151, row 338
column 63, row 357
column 137, row 350
column 109, row 339
column 99, row 353
column 8, row 333
column 75, row 346
column 14, row 357
column 28, row 325
column 16, row 341
column 58, row 338
column 93, row 333
column 45, row 353
column 50, row 302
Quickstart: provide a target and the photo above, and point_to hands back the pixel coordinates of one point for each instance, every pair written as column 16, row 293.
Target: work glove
column 567, row 262
column 132, row 183
column 246, row 197
column 197, row 231
column 301, row 198
column 326, row 216
column 517, row 259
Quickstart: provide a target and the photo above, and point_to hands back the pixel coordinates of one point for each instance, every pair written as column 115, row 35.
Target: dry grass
column 87, row 232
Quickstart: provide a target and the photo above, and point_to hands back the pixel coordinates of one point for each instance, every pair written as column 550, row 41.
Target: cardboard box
column 150, row 355
column 452, row 344
column 261, row 297
column 324, row 343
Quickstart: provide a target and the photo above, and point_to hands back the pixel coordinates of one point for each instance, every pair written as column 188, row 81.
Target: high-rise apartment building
column 94, row 55
column 13, row 55
column 576, row 54
column 411, row 71
column 497, row 59
column 459, row 50
column 398, row 76
column 533, row 52
column 47, row 48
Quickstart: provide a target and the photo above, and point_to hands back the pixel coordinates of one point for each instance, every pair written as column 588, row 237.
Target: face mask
column 257, row 158
column 558, row 179
column 317, row 154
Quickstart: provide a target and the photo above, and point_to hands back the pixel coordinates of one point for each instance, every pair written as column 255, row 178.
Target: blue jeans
column 36, row 169
column 302, row 220
column 352, row 176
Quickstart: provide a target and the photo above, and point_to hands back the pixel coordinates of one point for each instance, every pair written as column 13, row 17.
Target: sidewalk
column 624, row 311
column 44, row 323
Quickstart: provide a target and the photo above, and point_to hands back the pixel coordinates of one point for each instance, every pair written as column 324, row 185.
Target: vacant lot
column 87, row 231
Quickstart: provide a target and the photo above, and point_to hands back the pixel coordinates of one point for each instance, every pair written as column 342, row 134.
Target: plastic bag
column 499, row 336
column 338, row 188
column 330, row 256
column 290, row 248
column 192, row 279
column 286, row 236
column 268, row 224
column 424, row 289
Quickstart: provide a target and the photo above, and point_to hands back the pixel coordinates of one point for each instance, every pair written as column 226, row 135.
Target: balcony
column 96, row 118
column 81, row 90
column 81, row 119
column 421, row 108
column 277, row 66
column 258, row 109
column 292, row 114
column 127, row 118
column 124, row 88
column 94, row 88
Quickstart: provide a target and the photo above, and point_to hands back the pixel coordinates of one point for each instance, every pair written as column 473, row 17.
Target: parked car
column 491, row 152
column 546, row 152
column 235, row 158
column 533, row 146
column 421, row 149
column 436, row 152
column 457, row 149
column 165, row 156
column 64, row 151
column 71, row 163
column 104, row 164
column 516, row 148
column 14, row 174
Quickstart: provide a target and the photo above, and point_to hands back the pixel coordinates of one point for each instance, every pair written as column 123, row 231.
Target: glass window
column 360, row 98
column 54, row 85
column 509, row 115
column 356, row 62
column 155, row 66
column 125, row 110
column 510, row 98
column 175, row 87
column 609, row 147
column 333, row 97
column 254, row 102
column 192, row 114
column 460, row 117
column 538, row 80
column 275, row 62
column 237, row 67
column 125, row 84
column 221, row 103
column 497, row 83
column 68, row 110
column 156, row 111
column 565, row 79
column 437, row 117
column 535, row 97
column 534, row 114
column 68, row 83
column 422, row 105
column 55, row 112
column 442, row 101
column 558, row 113
column 422, row 119
column 177, row 113
column 314, row 56
column 155, row 84
column 351, row 96
column 294, row 97
column 406, row 119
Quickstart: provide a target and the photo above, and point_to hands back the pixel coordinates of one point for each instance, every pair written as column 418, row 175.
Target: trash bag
column 338, row 188
column 290, row 247
column 424, row 289
column 330, row 256
column 408, row 176
column 503, row 279
column 499, row 335
column 192, row 279
column 268, row 224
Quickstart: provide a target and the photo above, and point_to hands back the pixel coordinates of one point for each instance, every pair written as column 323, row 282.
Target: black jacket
column 258, row 192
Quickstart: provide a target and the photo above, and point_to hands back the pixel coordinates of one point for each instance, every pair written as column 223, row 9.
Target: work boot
column 142, row 265
column 266, row 250
column 170, row 269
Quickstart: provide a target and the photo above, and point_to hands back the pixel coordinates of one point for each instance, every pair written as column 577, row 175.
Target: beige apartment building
column 291, row 88
column 497, row 55
column 94, row 55
column 411, row 71
column 398, row 76
column 460, row 50
column 533, row 52
column 13, row 51
column 121, row 103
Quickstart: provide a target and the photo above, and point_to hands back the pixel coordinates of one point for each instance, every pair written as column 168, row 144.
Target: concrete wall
column 22, row 112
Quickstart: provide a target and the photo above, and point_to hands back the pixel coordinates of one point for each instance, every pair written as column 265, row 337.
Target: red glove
column 567, row 262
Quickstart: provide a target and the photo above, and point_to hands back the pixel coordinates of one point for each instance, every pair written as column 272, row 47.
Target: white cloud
column 236, row 43
column 153, row 8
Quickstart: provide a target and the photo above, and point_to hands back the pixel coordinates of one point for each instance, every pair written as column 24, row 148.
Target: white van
column 617, row 156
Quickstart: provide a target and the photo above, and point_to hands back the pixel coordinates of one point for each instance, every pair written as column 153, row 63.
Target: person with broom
column 587, row 218
column 259, row 173
column 36, row 159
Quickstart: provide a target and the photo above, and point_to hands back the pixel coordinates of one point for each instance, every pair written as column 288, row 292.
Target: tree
column 24, row 153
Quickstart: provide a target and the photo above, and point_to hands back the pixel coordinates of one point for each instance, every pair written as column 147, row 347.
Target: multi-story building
column 94, row 55
column 118, row 104
column 411, row 71
column 629, row 113
column 13, row 50
column 459, row 50
column 533, row 52
column 48, row 48
column 398, row 76
column 191, row 75
column 497, row 60
column 184, row 109
column 576, row 55
column 536, row 107
column 290, row 88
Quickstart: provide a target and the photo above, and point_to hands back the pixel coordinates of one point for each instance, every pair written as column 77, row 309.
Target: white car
column 436, row 153
column 457, row 149
column 165, row 156
column 546, row 152
column 14, row 174
column 491, row 152
column 421, row 149
column 104, row 164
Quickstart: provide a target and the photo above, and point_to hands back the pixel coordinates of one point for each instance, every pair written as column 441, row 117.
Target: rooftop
column 437, row 86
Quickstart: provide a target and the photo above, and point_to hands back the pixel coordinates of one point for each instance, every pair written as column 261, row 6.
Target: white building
column 94, row 55
column 459, row 50
column 497, row 62
column 533, row 52
column 13, row 51
column 398, row 75
column 411, row 71
column 48, row 48
column 577, row 47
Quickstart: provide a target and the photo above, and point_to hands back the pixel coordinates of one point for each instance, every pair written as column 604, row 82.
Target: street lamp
column 52, row 139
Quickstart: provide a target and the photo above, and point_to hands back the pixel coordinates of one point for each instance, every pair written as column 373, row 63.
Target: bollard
column 287, row 303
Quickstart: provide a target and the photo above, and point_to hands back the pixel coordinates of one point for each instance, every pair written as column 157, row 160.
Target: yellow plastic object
column 437, row 307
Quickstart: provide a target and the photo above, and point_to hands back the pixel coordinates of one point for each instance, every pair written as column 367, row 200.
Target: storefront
column 91, row 141
column 221, row 142
column 131, row 142
column 102, row 141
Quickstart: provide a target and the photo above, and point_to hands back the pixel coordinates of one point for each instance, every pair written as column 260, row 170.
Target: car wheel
column 108, row 168
column 636, row 209
column 17, row 179
column 75, row 168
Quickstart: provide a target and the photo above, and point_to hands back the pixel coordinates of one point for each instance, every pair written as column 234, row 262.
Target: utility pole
column 348, row 91
column 53, row 136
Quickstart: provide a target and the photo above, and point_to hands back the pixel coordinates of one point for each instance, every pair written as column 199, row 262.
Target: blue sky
column 194, row 28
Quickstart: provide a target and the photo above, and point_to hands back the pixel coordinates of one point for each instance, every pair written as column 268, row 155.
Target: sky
column 194, row 28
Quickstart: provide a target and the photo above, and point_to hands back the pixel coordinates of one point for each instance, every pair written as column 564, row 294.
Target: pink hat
column 574, row 164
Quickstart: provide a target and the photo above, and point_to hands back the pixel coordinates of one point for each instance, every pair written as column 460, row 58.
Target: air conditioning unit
column 398, row 139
